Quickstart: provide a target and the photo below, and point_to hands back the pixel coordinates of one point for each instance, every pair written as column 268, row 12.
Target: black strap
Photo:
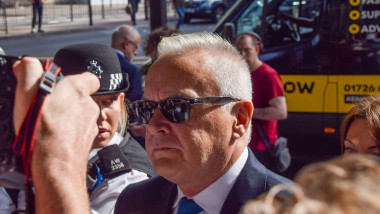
column 24, row 141
column 263, row 136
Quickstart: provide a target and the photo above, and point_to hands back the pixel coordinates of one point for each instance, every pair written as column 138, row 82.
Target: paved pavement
column 81, row 25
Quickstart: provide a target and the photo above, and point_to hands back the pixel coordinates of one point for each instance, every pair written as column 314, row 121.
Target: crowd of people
column 346, row 185
column 181, row 139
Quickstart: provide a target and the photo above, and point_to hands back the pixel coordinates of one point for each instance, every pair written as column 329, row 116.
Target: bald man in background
column 126, row 41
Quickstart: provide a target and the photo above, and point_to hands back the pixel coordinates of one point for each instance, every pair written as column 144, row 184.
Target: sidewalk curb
column 24, row 31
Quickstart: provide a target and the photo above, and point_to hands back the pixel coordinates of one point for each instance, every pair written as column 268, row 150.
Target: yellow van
column 328, row 55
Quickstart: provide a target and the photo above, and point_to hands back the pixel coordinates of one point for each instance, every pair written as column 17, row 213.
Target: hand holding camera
column 63, row 129
column 64, row 117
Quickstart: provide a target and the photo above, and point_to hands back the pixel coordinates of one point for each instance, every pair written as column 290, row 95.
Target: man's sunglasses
column 176, row 110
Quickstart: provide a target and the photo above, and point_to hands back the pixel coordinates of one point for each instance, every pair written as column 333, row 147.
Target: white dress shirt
column 212, row 198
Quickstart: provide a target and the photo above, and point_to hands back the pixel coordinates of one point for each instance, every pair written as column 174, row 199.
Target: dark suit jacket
column 135, row 79
column 157, row 195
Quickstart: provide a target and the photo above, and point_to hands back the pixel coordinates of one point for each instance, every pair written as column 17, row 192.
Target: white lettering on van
column 366, row 2
column 370, row 14
column 370, row 29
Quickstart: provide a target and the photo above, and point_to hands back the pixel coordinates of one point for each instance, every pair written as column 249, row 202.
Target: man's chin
column 165, row 167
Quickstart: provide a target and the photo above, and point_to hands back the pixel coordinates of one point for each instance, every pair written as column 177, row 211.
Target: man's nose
column 158, row 123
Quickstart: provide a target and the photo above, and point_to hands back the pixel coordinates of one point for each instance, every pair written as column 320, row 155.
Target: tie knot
column 188, row 206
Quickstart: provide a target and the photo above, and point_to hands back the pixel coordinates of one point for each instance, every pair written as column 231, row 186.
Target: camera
column 12, row 155
column 7, row 93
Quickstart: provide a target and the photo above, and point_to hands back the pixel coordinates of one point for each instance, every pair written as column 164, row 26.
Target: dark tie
column 188, row 206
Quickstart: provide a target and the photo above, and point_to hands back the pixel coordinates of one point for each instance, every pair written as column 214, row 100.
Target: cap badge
column 95, row 69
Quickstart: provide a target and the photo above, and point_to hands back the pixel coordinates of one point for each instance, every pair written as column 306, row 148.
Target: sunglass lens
column 176, row 110
column 144, row 111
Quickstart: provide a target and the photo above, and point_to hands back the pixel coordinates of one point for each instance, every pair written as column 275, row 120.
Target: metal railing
column 19, row 12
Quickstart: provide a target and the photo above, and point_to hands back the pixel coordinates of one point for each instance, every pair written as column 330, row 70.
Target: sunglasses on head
column 175, row 110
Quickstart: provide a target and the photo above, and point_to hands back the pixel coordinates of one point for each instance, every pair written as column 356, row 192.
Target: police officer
column 116, row 159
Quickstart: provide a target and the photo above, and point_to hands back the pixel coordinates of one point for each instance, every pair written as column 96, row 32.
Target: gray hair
column 230, row 70
column 123, row 32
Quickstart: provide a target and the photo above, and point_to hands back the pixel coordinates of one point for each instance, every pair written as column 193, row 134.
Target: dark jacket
column 135, row 91
column 130, row 153
column 157, row 195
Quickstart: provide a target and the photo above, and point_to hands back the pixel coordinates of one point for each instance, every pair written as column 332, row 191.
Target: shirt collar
column 119, row 52
column 213, row 197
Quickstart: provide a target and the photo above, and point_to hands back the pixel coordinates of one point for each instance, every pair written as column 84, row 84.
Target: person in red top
column 268, row 96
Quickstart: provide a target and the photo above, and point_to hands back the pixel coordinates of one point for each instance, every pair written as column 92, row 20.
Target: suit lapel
column 250, row 183
column 166, row 196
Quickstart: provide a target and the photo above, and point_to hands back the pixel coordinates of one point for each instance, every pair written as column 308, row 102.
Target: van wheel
column 186, row 19
column 219, row 11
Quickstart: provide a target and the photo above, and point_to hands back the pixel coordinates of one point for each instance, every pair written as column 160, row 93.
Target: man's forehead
column 245, row 40
column 176, row 74
column 173, row 66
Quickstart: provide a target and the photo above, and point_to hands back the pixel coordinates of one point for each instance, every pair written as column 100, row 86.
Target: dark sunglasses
column 176, row 110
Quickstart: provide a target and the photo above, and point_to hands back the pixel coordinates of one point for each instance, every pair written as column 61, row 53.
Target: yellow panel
column 305, row 93
column 330, row 95
column 327, row 93
column 352, row 88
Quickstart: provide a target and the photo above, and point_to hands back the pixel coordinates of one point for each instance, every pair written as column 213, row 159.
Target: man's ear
column 243, row 111
column 258, row 49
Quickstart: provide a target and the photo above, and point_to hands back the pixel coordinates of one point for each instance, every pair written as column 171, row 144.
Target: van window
column 250, row 20
column 363, row 40
column 285, row 22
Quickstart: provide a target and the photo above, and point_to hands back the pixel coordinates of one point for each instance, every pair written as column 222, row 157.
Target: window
column 286, row 21
column 250, row 20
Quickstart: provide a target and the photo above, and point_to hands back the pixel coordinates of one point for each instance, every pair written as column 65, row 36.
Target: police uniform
column 123, row 161
column 104, row 190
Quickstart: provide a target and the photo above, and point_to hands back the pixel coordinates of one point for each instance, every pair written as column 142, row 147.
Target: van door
column 328, row 55
column 296, row 36
column 358, row 51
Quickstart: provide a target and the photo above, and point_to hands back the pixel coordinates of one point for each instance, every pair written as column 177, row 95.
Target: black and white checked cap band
column 99, row 59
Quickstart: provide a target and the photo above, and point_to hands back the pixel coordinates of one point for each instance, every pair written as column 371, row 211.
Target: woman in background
column 360, row 131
